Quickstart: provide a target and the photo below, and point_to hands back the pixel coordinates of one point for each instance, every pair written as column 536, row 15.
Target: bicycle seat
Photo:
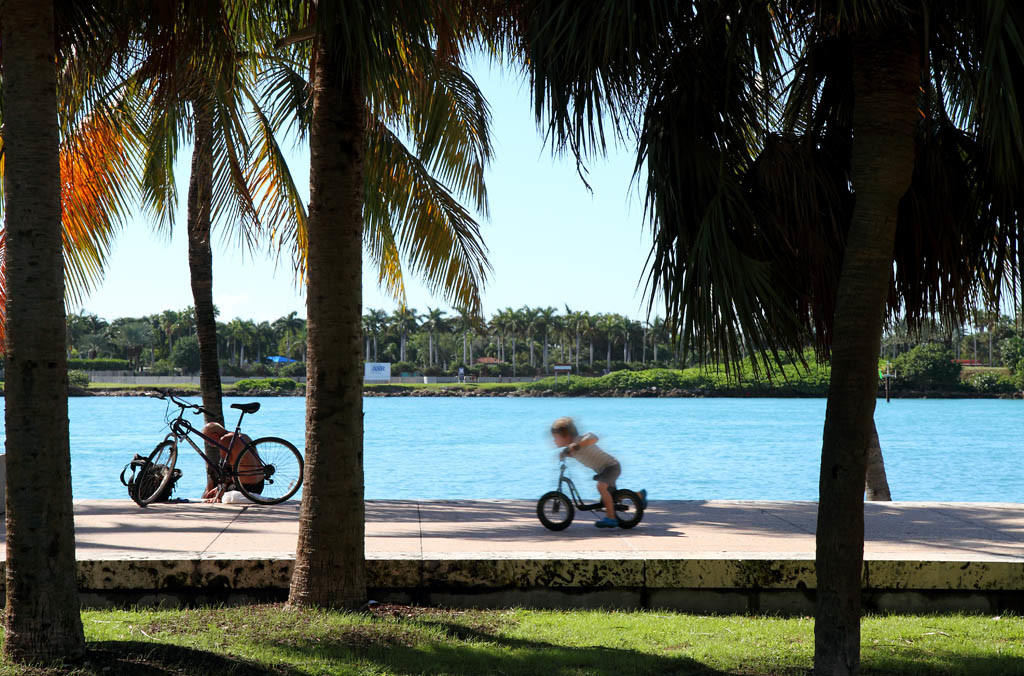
column 247, row 408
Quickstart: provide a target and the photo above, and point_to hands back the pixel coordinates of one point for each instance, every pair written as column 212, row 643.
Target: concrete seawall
column 707, row 557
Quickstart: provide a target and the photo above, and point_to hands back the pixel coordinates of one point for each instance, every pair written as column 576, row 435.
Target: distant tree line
column 166, row 343
column 513, row 342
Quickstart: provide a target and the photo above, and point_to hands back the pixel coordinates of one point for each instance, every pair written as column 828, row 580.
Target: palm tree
column 546, row 321
column 657, row 331
column 530, row 318
column 197, row 77
column 362, row 48
column 404, row 321
column 511, row 324
column 608, row 325
column 587, row 330
column 131, row 336
column 287, row 327
column 433, row 322
column 496, row 328
column 929, row 146
column 169, row 324
column 41, row 619
column 466, row 322
column 264, row 340
column 375, row 320
column 578, row 322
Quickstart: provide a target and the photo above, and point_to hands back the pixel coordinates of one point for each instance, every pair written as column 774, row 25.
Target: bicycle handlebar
column 197, row 409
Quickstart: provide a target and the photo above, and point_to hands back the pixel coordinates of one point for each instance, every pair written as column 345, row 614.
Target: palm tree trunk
column 886, row 80
column 42, row 621
column 330, row 555
column 876, row 485
column 200, row 267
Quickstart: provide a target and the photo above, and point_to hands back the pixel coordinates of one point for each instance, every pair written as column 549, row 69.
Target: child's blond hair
column 564, row 426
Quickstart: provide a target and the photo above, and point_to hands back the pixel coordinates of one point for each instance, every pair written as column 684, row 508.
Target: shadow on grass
column 136, row 658
column 467, row 651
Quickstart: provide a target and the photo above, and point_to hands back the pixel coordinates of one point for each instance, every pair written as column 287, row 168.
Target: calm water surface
column 751, row 449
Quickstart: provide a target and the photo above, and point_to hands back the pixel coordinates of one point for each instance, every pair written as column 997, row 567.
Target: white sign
column 377, row 371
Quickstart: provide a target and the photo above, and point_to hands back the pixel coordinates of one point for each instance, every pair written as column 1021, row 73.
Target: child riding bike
column 585, row 450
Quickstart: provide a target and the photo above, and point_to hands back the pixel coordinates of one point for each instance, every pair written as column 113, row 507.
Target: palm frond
column 714, row 249
column 164, row 131
column 448, row 120
column 97, row 181
column 277, row 198
column 405, row 205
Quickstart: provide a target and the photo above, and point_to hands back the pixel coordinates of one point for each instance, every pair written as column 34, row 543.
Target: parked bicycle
column 556, row 509
column 267, row 471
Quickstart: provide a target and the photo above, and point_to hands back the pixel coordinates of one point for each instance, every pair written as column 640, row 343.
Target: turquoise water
column 751, row 449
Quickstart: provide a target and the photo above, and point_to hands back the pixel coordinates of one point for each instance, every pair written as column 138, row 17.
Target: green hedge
column 791, row 379
column 265, row 385
column 78, row 379
column 98, row 364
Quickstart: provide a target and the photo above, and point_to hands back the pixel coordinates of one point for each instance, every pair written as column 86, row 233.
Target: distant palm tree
column 264, row 340
column 608, row 325
column 657, row 331
column 496, row 327
column 375, row 321
column 587, row 330
column 433, row 322
column 130, row 336
column 530, row 316
column 546, row 321
column 404, row 321
column 287, row 327
column 512, row 324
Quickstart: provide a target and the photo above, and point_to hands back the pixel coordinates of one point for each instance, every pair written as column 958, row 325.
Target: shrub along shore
column 790, row 380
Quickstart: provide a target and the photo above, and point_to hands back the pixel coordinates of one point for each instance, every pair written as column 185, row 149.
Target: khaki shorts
column 609, row 474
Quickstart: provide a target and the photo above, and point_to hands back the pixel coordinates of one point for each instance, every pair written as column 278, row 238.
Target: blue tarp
column 280, row 360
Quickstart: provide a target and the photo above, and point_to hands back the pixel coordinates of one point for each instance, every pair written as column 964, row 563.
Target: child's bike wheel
column 629, row 508
column 555, row 510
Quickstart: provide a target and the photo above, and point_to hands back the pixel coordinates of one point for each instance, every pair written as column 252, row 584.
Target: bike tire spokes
column 269, row 470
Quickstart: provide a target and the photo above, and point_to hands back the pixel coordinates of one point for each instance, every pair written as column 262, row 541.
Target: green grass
column 265, row 640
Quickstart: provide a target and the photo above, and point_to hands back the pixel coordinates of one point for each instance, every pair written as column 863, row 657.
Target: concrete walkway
column 116, row 529
column 696, row 556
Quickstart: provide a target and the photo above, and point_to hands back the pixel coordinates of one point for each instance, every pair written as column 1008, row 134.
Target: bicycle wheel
column 629, row 508
column 155, row 473
column 269, row 471
column 555, row 510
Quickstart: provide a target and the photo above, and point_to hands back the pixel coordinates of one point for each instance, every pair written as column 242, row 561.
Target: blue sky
column 550, row 241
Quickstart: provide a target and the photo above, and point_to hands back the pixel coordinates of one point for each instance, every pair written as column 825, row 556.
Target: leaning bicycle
column 267, row 471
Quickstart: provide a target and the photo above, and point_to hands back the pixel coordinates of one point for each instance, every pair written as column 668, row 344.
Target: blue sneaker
column 643, row 497
column 607, row 522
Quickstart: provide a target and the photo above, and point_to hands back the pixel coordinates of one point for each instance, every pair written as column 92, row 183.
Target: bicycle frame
column 577, row 500
column 182, row 430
